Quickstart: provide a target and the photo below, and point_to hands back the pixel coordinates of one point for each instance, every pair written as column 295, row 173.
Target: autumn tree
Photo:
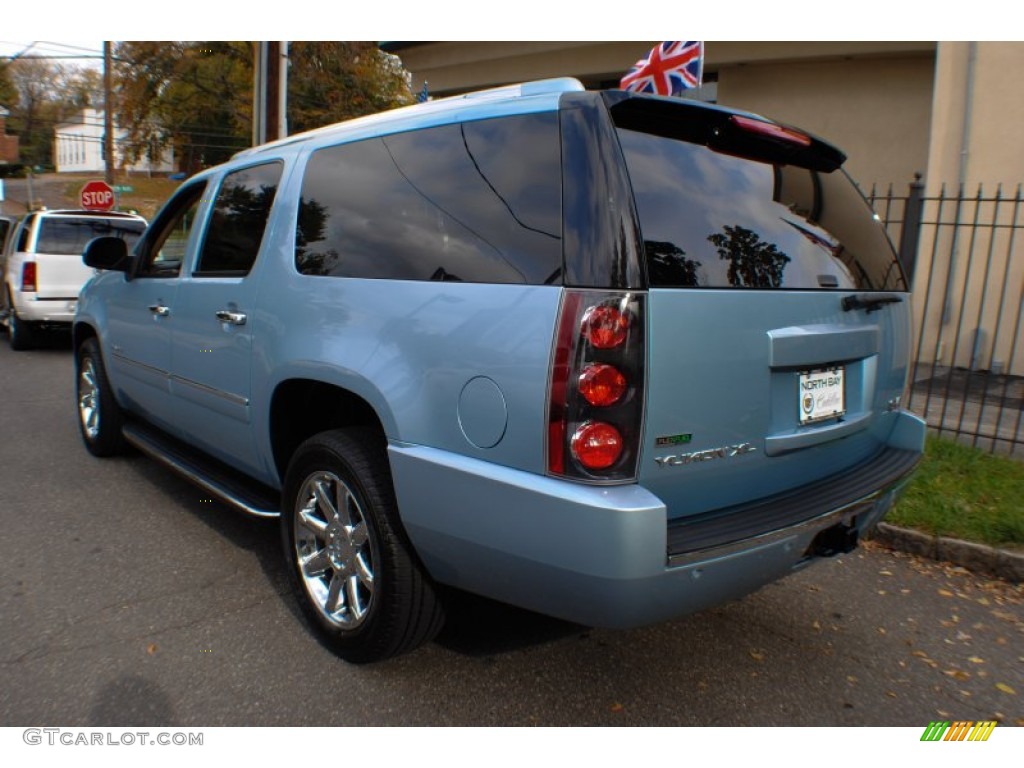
column 197, row 96
column 44, row 94
column 333, row 81
column 8, row 93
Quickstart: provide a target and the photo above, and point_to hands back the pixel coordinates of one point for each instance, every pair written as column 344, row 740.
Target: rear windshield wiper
column 870, row 301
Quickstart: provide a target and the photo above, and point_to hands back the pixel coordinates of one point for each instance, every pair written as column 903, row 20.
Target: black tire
column 19, row 332
column 362, row 586
column 99, row 416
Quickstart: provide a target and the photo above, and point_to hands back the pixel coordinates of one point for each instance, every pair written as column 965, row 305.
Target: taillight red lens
column 28, row 276
column 606, row 327
column 602, row 384
column 596, row 445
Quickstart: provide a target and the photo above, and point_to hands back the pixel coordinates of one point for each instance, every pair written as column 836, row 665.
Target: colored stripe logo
column 961, row 730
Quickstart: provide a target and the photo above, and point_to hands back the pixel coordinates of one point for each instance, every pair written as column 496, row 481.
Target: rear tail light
column 596, row 445
column 596, row 395
column 602, row 384
column 28, row 276
column 606, row 327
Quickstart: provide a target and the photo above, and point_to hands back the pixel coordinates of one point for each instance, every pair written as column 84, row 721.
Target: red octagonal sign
column 97, row 196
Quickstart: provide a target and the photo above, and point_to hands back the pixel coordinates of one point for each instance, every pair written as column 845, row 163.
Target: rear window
column 713, row 220
column 67, row 235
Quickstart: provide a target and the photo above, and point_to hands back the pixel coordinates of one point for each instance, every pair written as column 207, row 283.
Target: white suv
column 43, row 270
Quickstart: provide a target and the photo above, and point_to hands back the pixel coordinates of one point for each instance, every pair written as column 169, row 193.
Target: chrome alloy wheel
column 89, row 399
column 334, row 552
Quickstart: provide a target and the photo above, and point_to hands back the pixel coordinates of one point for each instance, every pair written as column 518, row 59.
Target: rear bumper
column 37, row 310
column 606, row 556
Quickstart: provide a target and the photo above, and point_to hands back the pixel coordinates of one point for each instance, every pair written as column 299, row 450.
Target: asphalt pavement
column 127, row 599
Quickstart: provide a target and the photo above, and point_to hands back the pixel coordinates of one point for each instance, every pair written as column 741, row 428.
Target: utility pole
column 270, row 92
column 108, row 114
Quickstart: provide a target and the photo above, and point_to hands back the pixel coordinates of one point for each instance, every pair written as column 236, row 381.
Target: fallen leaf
column 984, row 601
column 1019, row 722
column 886, row 573
column 945, row 593
column 151, row 649
column 816, row 624
column 976, row 660
column 957, row 674
column 891, row 694
column 616, row 707
column 757, row 655
column 1006, row 689
column 851, row 679
column 922, row 654
column 882, row 592
column 881, row 630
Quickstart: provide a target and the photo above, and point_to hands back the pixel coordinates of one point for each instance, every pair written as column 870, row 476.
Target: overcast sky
column 72, row 49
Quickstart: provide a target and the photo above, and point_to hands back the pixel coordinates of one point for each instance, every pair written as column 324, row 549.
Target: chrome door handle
column 232, row 318
column 159, row 310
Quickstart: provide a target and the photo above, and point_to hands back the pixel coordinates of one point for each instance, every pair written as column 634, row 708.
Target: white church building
column 78, row 148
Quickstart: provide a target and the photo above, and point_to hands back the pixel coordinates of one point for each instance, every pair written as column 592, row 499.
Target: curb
column 975, row 557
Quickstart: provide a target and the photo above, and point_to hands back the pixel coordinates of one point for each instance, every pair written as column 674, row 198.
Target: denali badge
column 725, row 452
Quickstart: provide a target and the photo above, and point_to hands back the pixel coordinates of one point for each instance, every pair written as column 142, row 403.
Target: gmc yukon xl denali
column 610, row 357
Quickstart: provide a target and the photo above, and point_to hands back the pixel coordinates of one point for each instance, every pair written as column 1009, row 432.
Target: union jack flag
column 669, row 69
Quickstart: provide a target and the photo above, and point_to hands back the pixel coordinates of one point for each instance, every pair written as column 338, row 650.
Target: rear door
column 778, row 321
column 215, row 313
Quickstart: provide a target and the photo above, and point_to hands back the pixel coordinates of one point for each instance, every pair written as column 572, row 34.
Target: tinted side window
column 167, row 241
column 476, row 202
column 238, row 220
column 711, row 220
column 69, row 235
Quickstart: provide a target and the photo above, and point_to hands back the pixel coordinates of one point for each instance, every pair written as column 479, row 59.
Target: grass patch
column 965, row 493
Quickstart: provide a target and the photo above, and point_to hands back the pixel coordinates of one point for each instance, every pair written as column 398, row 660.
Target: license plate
column 822, row 394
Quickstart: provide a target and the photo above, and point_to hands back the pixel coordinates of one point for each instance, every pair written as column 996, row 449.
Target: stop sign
column 97, row 196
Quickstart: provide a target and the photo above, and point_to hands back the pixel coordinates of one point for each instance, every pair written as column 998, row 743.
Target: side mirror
column 107, row 253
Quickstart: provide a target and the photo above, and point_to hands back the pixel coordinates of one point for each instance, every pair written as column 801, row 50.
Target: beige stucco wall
column 993, row 105
column 974, row 314
column 875, row 110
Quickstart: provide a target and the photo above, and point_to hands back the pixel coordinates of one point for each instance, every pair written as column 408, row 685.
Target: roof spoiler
column 723, row 130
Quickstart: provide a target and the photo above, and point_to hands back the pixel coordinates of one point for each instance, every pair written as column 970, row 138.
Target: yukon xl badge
column 725, row 452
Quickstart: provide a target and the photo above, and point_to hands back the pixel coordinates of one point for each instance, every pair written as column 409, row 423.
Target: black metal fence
column 965, row 255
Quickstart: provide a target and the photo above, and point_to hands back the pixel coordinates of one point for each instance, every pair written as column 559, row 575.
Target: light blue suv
column 610, row 357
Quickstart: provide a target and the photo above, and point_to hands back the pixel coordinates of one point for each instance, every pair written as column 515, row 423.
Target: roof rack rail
column 532, row 88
